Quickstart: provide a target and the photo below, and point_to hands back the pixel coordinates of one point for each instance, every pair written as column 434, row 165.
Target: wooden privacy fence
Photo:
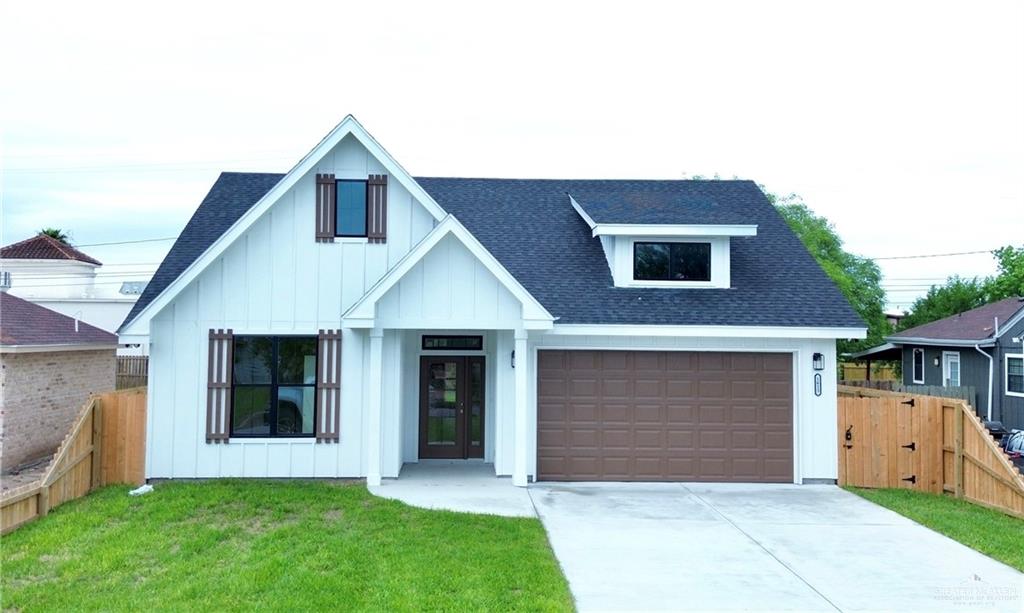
column 105, row 445
column 859, row 372
column 132, row 371
column 925, row 443
column 967, row 393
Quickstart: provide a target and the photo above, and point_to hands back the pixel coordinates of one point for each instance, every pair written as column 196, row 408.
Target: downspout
column 991, row 363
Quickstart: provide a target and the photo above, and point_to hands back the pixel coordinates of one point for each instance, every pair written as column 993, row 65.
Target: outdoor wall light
column 818, row 361
column 935, row 361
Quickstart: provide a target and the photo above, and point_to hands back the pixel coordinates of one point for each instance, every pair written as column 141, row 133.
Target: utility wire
column 933, row 255
column 141, row 240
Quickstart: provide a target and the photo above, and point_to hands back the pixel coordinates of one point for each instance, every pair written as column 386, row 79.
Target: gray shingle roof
column 649, row 202
column 976, row 324
column 531, row 228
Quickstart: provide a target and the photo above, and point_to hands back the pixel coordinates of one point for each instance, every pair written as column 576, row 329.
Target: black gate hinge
column 911, row 478
column 910, row 402
column 911, row 446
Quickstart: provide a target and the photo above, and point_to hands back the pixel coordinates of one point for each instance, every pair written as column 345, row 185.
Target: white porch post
column 375, row 406
column 522, row 390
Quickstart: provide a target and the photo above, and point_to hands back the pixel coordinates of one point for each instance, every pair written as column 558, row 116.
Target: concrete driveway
column 713, row 547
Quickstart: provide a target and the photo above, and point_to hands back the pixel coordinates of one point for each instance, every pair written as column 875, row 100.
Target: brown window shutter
column 377, row 208
column 326, row 209
column 328, row 386
column 218, row 386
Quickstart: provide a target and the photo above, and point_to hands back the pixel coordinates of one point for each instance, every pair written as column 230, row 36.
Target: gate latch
column 911, row 446
column 849, row 438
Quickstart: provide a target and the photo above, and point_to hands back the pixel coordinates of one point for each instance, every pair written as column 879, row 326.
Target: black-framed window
column 918, row 365
column 273, row 386
column 684, row 262
column 351, row 207
column 453, row 342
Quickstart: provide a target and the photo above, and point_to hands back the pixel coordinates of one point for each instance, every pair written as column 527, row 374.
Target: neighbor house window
column 273, row 386
column 919, row 366
column 1015, row 375
column 672, row 261
column 351, row 203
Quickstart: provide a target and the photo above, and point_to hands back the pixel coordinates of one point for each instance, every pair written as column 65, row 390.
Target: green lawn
column 282, row 545
column 992, row 533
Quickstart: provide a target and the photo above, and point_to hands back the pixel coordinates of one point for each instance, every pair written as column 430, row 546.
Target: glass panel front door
column 451, row 407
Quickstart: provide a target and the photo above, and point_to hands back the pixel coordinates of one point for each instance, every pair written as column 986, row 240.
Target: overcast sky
column 901, row 122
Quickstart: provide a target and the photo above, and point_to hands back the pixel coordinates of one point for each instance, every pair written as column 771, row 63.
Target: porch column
column 521, row 447
column 374, row 406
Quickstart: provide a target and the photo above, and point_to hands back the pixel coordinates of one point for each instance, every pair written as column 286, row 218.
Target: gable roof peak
column 44, row 247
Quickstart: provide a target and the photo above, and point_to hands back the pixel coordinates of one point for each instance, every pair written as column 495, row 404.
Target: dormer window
column 672, row 261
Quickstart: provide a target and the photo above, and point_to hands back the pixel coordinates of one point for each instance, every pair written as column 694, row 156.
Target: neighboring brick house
column 49, row 365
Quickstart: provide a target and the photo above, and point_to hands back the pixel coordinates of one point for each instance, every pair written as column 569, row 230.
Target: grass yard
column 241, row 544
column 994, row 534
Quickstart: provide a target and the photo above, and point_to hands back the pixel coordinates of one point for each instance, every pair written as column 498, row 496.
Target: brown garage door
column 664, row 416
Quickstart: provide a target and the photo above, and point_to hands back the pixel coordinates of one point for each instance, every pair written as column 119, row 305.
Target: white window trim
column 945, row 368
column 623, row 269
column 1006, row 374
column 913, row 359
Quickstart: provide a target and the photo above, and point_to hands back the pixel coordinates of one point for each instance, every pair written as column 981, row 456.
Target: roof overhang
column 348, row 126
column 362, row 314
column 940, row 342
column 56, row 348
column 887, row 351
column 711, row 331
column 667, row 230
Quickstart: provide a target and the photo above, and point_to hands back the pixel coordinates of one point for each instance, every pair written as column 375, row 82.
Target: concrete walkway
column 720, row 547
column 457, row 485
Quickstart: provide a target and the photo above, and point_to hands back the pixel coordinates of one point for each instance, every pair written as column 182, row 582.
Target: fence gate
column 891, row 442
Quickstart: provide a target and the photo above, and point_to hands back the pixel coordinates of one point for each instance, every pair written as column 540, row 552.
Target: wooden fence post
column 97, row 445
column 958, row 450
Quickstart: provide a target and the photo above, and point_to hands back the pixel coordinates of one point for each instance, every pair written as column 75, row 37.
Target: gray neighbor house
column 982, row 348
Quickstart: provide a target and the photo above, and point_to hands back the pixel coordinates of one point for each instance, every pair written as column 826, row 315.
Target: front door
column 451, row 407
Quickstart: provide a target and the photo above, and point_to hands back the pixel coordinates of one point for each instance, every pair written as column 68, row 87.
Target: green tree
column 858, row 278
column 56, row 233
column 956, row 296
column 1009, row 278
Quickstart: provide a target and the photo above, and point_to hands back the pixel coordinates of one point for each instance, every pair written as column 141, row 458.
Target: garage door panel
column 652, row 416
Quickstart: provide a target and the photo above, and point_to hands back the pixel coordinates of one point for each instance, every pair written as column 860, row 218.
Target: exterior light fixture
column 818, row 361
column 935, row 361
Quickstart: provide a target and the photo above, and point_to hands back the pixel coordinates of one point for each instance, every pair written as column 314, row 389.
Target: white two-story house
column 347, row 318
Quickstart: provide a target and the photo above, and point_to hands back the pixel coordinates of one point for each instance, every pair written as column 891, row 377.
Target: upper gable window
column 664, row 261
column 351, row 203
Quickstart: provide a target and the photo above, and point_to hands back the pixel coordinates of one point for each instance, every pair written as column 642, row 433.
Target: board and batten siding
column 815, row 417
column 275, row 279
column 1008, row 409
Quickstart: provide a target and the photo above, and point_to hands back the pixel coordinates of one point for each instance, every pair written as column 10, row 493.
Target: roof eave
column 938, row 342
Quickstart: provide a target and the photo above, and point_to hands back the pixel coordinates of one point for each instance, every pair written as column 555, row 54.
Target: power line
column 933, row 255
column 141, row 240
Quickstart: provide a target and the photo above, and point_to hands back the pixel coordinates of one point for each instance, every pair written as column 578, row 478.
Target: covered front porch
column 446, row 359
column 447, row 399
column 468, row 486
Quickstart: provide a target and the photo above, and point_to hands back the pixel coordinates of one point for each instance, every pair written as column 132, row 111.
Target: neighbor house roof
column 43, row 247
column 24, row 324
column 531, row 227
column 974, row 325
